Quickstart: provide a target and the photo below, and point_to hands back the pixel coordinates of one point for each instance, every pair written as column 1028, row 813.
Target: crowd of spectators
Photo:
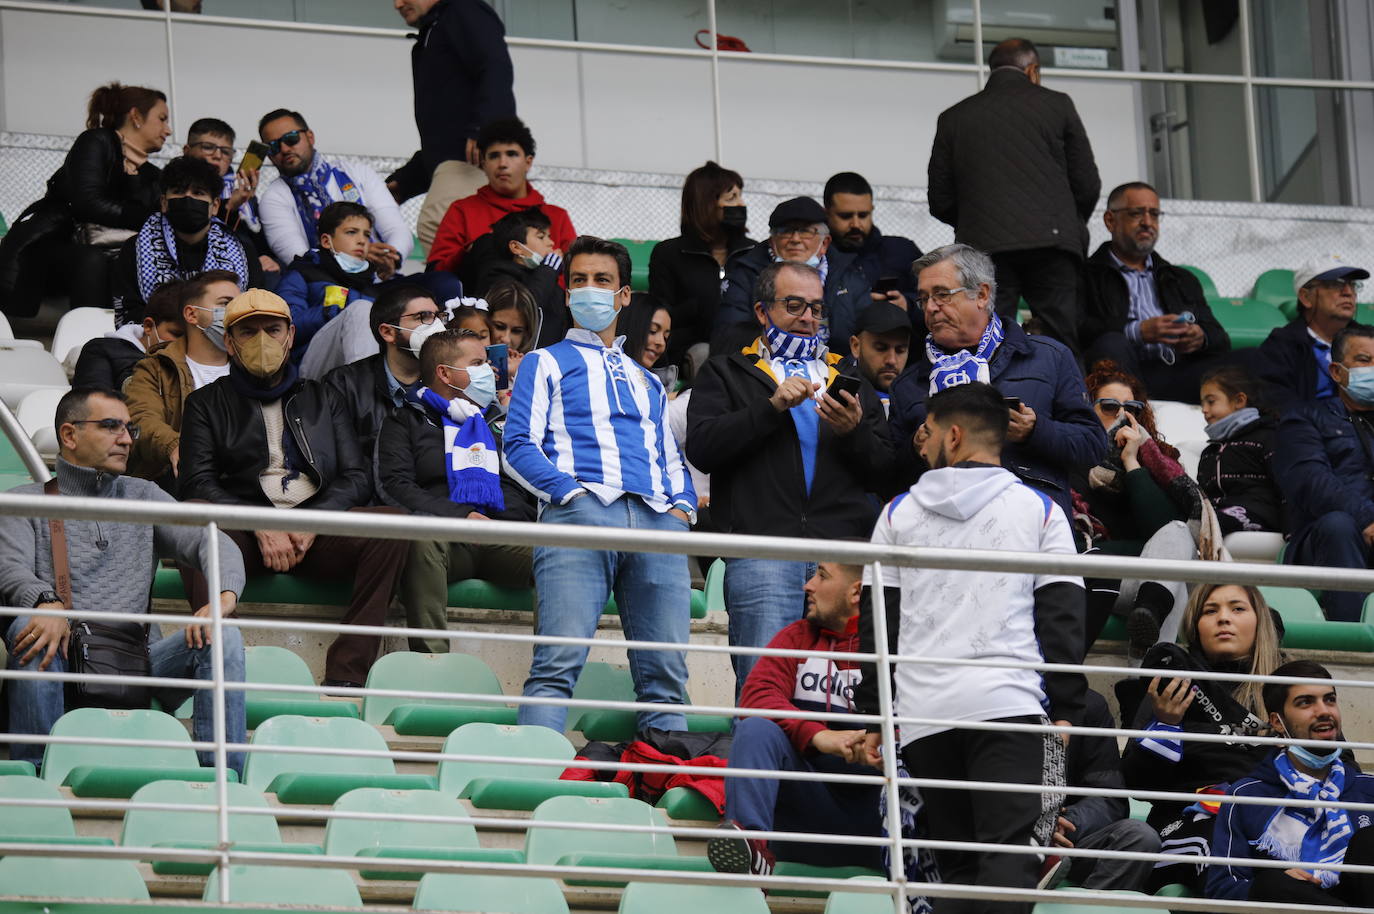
column 829, row 381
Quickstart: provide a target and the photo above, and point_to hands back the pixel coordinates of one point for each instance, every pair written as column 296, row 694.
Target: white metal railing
column 212, row 517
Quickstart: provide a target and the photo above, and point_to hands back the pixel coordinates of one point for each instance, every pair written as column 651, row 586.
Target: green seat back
column 1246, row 321
column 474, row 892
column 286, row 885
column 289, row 588
column 199, row 824
column 601, row 682
column 15, row 766
column 715, row 586
column 319, row 732
column 346, row 837
column 276, row 666
column 859, row 902
column 411, row 671
column 1364, row 312
column 1209, row 288
column 98, row 723
column 11, row 464
column 1294, row 604
column 668, row 898
column 640, row 252
column 1058, row 907
column 72, row 877
column 686, row 803
column 1329, row 636
column 501, row 743
column 30, row 823
column 1274, row 287
column 476, row 594
column 547, row 845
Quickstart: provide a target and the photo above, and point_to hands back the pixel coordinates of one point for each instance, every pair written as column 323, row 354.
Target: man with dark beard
column 885, row 259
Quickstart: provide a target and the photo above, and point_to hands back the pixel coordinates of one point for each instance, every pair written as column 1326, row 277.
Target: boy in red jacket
column 507, row 151
column 797, row 684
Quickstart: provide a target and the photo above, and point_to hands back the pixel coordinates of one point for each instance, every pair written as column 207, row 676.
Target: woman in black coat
column 686, row 272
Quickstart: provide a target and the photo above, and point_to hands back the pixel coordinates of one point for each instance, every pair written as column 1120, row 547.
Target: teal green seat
column 1064, row 907
column 686, row 803
column 1367, row 612
column 1247, row 322
column 71, row 878
column 286, row 885
column 408, row 671
column 1275, row 287
column 97, row 769
column 1209, row 288
column 811, row 871
column 267, row 588
column 475, row 594
column 640, row 252
column 603, row 682
column 1329, row 636
column 550, row 845
column 198, row 825
column 1364, row 312
column 4, row 226
column 321, row 779
column 279, row 666
column 1293, row 604
column 14, row 766
column 39, row 824
column 1174, row 890
column 715, row 586
column 367, row 837
column 671, row 898
column 1140, row 809
column 501, row 783
column 859, row 902
column 475, row 892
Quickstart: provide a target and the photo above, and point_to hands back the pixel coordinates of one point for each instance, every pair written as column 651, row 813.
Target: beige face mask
column 260, row 355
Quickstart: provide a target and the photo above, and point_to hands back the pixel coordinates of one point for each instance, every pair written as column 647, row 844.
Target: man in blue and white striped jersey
column 587, row 433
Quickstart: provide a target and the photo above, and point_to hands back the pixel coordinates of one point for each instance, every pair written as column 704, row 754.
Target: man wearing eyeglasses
column 112, row 566
column 789, row 454
column 212, row 139
column 1142, row 312
column 798, row 233
column 1295, row 359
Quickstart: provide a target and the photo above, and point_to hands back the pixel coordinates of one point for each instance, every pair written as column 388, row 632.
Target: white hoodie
column 969, row 614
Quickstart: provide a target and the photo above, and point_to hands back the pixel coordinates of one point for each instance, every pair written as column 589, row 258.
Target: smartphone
column 843, row 382
column 254, row 156
column 1164, row 660
column 1013, row 403
column 886, row 284
column 1185, row 317
column 499, row 357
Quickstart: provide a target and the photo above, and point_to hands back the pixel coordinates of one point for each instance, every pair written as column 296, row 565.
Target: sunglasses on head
column 290, row 138
column 1111, row 406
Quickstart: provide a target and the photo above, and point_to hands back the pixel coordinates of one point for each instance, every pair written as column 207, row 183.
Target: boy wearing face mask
column 441, row 455
column 524, row 252
column 107, row 361
column 183, row 238
column 322, row 282
column 264, row 436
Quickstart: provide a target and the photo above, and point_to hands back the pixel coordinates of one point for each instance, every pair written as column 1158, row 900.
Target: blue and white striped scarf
column 472, row 461
column 962, row 367
column 310, row 189
column 155, row 252
column 1325, row 832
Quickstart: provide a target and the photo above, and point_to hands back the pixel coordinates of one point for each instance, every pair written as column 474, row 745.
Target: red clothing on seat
column 472, row 217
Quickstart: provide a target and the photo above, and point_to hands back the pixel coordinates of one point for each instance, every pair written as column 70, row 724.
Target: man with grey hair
column 789, row 454
column 1051, row 431
column 798, row 233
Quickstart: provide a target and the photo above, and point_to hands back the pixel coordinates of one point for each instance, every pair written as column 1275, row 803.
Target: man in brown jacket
column 164, row 378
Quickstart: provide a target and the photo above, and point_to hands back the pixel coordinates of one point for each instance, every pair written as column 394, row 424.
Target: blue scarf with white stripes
column 310, row 189
column 1327, row 831
column 472, row 462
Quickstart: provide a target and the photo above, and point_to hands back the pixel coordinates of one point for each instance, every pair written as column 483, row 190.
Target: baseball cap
column 798, row 209
column 883, row 317
column 1326, row 266
column 256, row 303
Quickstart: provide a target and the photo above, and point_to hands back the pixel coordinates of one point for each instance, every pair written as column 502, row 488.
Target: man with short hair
column 880, row 347
column 968, row 500
column 885, row 259
column 1324, row 464
column 1309, row 768
column 506, row 148
column 160, row 384
column 1142, row 312
column 1295, row 358
column 212, row 139
column 587, row 434
column 789, row 744
column 787, row 456
column 1012, row 170
column 107, row 361
column 307, row 182
column 111, row 570
column 1052, row 430
column 263, row 436
column 799, row 232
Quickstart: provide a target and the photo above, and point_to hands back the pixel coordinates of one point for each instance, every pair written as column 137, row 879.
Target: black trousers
column 1355, row 889
column 981, row 815
column 1047, row 278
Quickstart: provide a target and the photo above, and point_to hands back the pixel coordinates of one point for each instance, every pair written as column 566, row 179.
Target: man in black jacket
column 1012, row 170
column 462, row 79
column 786, row 458
column 428, row 454
column 264, row 436
column 885, row 259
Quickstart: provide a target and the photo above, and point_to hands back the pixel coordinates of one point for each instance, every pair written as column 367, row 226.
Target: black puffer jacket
column 1012, row 169
column 1237, row 475
column 1106, row 300
column 93, row 183
column 685, row 277
column 106, row 362
column 224, row 447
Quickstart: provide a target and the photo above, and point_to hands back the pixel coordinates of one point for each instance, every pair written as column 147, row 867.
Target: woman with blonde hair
column 1226, row 628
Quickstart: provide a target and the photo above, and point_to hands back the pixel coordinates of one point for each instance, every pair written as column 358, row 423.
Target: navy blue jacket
column 891, row 255
column 1322, row 465
column 1043, row 373
column 1240, row 827
column 303, row 286
column 1286, row 363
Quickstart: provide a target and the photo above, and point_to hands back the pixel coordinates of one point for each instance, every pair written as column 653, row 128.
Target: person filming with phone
column 794, row 448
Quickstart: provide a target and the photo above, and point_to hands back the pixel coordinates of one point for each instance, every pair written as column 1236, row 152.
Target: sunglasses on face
column 1111, row 406
column 114, row 426
column 286, row 139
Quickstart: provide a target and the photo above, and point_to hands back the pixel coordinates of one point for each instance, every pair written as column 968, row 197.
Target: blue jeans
column 35, row 705
column 762, row 596
column 652, row 591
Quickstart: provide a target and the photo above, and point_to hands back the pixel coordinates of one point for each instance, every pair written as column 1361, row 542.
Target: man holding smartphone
column 795, row 448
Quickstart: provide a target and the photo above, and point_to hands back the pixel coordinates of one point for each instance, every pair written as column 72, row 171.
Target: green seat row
column 1247, row 322
column 640, row 252
column 1299, row 634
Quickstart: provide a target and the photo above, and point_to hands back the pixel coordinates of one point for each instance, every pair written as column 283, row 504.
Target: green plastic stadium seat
column 715, row 586
column 100, row 770
column 668, row 898
column 500, row 784
column 280, row 666
column 1140, row 809
column 859, row 902
column 14, row 766
column 640, row 251
column 286, row 885
column 1364, row 312
column 603, row 682
column 267, row 588
column 41, row 824
column 408, row 671
column 72, row 878
column 546, row 845
column 1174, row 890
column 366, row 837
column 321, row 779
column 1329, row 636
column 1367, row 613
column 686, row 803
column 1275, row 287
column 1246, row 321
column 4, row 226
column 1209, row 288
column 1293, row 604
column 474, row 892
column 475, row 594
column 1057, row 907
column 788, row 868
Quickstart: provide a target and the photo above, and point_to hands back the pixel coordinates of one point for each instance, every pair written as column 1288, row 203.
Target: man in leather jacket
column 264, row 436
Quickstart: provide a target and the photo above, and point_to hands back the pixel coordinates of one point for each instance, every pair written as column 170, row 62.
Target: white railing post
column 897, row 869
column 715, row 78
column 213, row 585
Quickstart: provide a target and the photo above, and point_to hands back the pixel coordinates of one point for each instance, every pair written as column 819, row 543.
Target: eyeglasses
column 1136, row 213
column 941, row 296
column 111, row 425
column 1111, row 406
column 209, row 148
column 424, row 317
column 796, row 306
column 290, row 138
column 1337, row 285
column 807, row 232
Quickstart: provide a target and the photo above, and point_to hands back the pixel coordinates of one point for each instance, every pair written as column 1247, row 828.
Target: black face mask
column 188, row 215
column 734, row 217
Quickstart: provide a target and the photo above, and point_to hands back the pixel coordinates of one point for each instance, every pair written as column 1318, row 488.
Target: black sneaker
column 739, row 854
column 1142, row 630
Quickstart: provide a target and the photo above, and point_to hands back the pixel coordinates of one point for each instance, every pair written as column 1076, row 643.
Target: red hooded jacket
column 472, row 217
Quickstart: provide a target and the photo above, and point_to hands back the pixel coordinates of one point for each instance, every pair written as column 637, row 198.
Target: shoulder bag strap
column 58, row 533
